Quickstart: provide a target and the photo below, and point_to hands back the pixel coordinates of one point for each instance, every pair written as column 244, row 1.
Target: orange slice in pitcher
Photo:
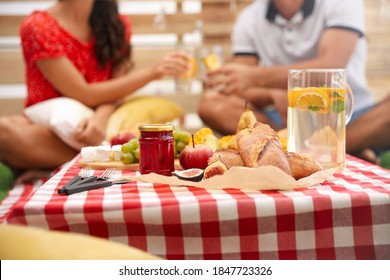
column 313, row 99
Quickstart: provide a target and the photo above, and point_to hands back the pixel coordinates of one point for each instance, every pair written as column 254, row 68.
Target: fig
column 215, row 168
column 193, row 174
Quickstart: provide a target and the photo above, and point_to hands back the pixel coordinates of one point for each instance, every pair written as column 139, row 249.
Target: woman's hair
column 109, row 32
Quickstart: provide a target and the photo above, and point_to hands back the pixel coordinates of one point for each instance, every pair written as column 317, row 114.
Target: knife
column 86, row 187
column 74, row 180
column 77, row 182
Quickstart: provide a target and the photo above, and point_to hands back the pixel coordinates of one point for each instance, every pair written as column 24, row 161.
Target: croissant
column 261, row 146
column 302, row 166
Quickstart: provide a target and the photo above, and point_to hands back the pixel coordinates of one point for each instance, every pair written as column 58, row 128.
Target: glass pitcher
column 320, row 104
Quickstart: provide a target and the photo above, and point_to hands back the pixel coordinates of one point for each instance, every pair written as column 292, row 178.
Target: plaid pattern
column 348, row 218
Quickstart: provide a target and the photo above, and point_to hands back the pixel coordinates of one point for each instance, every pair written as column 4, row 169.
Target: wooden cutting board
column 98, row 165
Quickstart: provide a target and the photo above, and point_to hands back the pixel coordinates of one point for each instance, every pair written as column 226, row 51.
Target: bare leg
column 221, row 113
column 24, row 145
column 372, row 129
column 32, row 175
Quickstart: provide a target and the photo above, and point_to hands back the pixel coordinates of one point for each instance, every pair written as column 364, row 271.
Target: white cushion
column 62, row 115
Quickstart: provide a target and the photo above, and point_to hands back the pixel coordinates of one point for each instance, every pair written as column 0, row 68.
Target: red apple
column 122, row 138
column 195, row 156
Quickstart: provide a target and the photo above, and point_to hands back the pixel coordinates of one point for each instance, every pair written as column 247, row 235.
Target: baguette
column 228, row 157
column 260, row 146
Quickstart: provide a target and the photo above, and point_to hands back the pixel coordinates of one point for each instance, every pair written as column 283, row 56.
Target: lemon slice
column 212, row 62
column 313, row 100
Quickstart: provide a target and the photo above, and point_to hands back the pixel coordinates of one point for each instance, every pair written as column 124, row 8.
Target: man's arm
column 334, row 50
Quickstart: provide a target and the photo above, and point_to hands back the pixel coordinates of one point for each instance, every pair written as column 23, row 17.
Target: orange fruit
column 311, row 98
column 191, row 71
column 212, row 62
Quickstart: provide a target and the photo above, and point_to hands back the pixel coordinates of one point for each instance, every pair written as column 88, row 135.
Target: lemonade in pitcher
column 317, row 118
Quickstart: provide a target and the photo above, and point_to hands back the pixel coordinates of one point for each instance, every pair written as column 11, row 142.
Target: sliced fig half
column 192, row 174
column 215, row 168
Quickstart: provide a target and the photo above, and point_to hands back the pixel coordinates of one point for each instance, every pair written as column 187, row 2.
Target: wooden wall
column 378, row 37
column 218, row 17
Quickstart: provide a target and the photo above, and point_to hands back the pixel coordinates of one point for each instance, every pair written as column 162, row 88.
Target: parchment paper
column 260, row 178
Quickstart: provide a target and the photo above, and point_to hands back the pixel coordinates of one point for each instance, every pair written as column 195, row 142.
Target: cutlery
column 92, row 185
column 77, row 183
column 85, row 187
column 83, row 178
column 84, row 172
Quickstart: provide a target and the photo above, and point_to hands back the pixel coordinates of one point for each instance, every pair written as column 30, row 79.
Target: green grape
column 180, row 146
column 136, row 153
column 185, row 137
column 127, row 148
column 135, row 142
column 175, row 151
column 176, row 134
column 182, row 136
column 128, row 158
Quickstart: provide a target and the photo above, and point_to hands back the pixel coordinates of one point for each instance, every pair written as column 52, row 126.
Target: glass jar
column 157, row 149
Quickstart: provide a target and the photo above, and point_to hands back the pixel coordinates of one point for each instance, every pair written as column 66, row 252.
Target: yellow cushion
column 30, row 243
column 141, row 110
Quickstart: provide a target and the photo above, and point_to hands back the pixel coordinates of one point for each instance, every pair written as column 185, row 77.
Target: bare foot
column 31, row 175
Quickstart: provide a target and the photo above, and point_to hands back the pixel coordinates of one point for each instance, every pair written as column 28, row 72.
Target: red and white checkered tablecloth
column 348, row 218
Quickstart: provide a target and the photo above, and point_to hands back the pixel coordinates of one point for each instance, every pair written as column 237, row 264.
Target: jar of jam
column 157, row 149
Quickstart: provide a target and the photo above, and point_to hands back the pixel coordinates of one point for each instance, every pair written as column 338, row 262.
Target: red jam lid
column 156, row 127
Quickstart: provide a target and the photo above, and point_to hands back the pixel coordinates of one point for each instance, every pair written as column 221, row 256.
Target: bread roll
column 302, row 166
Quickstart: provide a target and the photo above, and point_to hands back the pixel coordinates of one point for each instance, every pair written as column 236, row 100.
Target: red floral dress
column 42, row 37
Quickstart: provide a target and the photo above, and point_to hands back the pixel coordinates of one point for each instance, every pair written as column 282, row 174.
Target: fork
column 107, row 174
column 84, row 173
column 92, row 181
column 102, row 183
column 84, row 177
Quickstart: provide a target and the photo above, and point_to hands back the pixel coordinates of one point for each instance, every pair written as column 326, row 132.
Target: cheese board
column 100, row 165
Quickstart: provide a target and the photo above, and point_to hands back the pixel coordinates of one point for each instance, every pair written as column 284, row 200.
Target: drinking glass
column 211, row 58
column 183, row 84
column 320, row 104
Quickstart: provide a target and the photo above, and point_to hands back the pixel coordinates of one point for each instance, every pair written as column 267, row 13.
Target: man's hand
column 233, row 78
column 280, row 101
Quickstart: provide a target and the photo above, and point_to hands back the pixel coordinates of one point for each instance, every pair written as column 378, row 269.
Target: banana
column 141, row 110
column 247, row 119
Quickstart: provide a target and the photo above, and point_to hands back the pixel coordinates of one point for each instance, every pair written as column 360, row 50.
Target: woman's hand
column 172, row 65
column 90, row 132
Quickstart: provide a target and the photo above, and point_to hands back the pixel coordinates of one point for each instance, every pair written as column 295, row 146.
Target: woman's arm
column 64, row 76
column 92, row 131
